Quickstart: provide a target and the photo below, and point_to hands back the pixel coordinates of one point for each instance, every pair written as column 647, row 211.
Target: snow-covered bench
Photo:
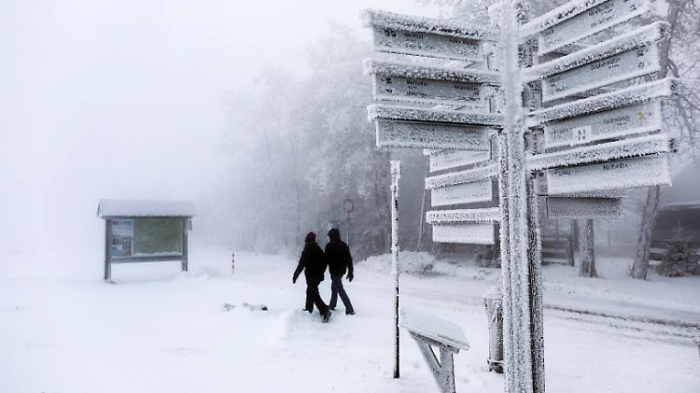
column 429, row 331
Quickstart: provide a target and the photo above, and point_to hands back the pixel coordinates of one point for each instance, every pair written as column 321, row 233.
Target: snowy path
column 156, row 330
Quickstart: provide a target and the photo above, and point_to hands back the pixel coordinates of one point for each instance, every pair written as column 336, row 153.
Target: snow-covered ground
column 155, row 330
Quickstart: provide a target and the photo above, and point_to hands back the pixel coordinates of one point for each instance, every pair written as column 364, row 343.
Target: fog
column 129, row 99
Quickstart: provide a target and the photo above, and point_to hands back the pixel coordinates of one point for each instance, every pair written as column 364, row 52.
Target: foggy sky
column 127, row 99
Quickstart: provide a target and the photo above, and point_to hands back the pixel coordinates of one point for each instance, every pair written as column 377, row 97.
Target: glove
column 350, row 277
column 294, row 279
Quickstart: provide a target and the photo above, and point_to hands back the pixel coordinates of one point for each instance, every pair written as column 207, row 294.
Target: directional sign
column 391, row 88
column 409, row 134
column 582, row 54
column 434, row 115
column 632, row 147
column 417, row 36
column 635, row 119
column 481, row 191
column 461, row 177
column 558, row 207
column 489, row 214
column 624, row 66
column 415, row 83
column 483, row 233
column 448, row 159
column 628, row 173
column 644, row 92
column 588, row 20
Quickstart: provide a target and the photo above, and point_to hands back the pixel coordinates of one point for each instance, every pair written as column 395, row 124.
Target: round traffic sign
column 348, row 206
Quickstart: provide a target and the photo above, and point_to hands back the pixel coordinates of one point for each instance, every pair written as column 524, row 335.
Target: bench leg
column 443, row 370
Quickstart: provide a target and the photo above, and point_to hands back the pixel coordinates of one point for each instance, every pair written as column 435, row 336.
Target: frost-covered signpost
column 592, row 131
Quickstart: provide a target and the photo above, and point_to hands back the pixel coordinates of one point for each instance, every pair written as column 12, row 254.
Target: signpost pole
column 395, row 176
column 519, row 347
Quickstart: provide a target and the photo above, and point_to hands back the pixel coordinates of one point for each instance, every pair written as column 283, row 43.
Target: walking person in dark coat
column 313, row 263
column 339, row 261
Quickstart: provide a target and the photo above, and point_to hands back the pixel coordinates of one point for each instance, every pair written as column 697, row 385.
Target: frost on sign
column 392, row 88
column 624, row 66
column 426, row 44
column 448, row 159
column 589, row 22
column 558, row 207
column 628, row 173
column 481, row 191
column 466, row 233
column 635, row 119
column 409, row 134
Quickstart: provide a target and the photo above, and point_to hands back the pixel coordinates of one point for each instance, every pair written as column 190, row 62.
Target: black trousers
column 313, row 297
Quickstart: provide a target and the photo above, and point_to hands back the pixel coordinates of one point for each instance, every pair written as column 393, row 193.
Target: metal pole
column 395, row 176
column 347, row 218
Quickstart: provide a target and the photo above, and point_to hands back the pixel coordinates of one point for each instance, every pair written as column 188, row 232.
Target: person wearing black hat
column 339, row 261
column 313, row 263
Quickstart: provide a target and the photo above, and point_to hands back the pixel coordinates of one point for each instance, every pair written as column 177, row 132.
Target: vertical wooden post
column 185, row 249
column 588, row 260
column 395, row 175
column 521, row 309
column 108, row 250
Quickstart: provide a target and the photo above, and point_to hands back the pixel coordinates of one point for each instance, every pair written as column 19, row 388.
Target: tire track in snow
column 631, row 326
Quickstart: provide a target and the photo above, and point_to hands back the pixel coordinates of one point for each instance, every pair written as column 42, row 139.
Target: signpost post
column 395, row 271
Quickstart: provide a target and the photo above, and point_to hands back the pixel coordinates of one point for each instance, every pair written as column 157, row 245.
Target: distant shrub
column 679, row 259
column 488, row 256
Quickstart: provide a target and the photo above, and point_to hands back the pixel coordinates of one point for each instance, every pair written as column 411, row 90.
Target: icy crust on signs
column 558, row 15
column 618, row 68
column 625, row 148
column 465, row 233
column 418, row 24
column 416, row 71
column 628, row 173
column 616, row 123
column 470, row 175
column 491, row 214
column 418, row 135
column 632, row 95
column 396, row 112
column 641, row 37
column 434, row 328
column 559, row 207
column 144, row 208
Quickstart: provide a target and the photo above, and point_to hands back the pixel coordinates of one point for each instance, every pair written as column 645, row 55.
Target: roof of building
column 110, row 208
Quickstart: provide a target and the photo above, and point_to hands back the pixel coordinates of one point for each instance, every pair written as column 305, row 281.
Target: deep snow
column 64, row 330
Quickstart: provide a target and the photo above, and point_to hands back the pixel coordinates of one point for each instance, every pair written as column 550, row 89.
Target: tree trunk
column 638, row 268
column 588, row 260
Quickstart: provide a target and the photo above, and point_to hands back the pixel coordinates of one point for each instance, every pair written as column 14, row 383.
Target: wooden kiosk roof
column 122, row 208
